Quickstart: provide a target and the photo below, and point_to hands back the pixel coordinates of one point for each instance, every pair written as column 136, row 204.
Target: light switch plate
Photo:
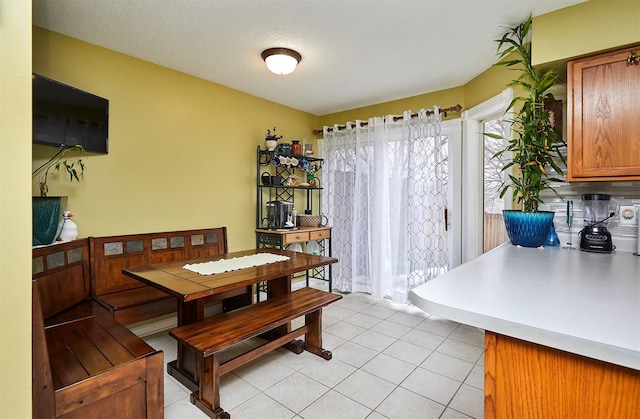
column 628, row 215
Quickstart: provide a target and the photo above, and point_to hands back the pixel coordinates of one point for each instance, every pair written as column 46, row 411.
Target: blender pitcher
column 597, row 211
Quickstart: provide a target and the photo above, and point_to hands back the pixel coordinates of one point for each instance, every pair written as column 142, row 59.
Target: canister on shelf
column 308, row 150
column 296, row 149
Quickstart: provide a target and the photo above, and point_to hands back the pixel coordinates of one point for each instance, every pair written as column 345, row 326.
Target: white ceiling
column 354, row 52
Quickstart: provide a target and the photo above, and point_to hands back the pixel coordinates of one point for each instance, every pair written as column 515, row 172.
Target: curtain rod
column 457, row 108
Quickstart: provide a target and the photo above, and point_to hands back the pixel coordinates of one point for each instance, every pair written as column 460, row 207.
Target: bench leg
column 207, row 398
column 313, row 338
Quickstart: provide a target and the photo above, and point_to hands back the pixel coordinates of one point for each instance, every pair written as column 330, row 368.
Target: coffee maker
column 280, row 215
column 595, row 237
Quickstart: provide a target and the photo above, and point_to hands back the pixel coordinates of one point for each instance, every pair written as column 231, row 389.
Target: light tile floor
column 389, row 361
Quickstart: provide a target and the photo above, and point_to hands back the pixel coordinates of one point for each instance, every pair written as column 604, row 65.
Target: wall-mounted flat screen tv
column 64, row 116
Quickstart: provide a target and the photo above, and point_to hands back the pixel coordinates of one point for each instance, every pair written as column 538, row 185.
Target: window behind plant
column 494, row 177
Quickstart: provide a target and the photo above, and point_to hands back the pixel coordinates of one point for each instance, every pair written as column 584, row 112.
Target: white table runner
column 233, row 264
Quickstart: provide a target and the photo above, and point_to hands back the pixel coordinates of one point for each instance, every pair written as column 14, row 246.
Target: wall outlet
column 628, row 215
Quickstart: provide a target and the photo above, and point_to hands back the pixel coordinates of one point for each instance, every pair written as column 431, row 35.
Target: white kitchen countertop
column 584, row 303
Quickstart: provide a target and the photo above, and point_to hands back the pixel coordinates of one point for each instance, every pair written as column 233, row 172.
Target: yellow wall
column 181, row 149
column 585, row 28
column 15, row 209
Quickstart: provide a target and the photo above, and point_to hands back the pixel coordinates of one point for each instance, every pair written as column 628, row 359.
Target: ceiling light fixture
column 281, row 60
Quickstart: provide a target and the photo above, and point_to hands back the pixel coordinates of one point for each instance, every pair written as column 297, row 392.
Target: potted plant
column 271, row 139
column 58, row 162
column 536, row 144
column 46, row 210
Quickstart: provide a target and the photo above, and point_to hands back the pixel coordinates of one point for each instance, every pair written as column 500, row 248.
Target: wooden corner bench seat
column 210, row 337
column 129, row 300
column 85, row 363
column 62, row 274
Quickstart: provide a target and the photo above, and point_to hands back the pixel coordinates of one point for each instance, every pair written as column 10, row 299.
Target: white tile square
column 464, row 351
column 330, row 342
column 379, row 310
column 389, row 368
column 183, row 409
column 337, row 312
column 296, row 392
column 407, row 352
column 448, row 366
column 454, row 414
column 374, row 340
column 293, row 360
column 403, row 403
column 353, row 354
column 344, row 330
column 261, row 407
column 334, row 405
column 328, row 373
column 264, row 373
column 468, row 334
column 438, row 326
column 469, row 400
column 427, row 340
column 363, row 320
column 389, row 328
column 365, row 388
column 476, row 377
column 234, row 391
column 406, row 319
column 354, row 302
column 174, row 391
column 376, row 415
column 432, row 385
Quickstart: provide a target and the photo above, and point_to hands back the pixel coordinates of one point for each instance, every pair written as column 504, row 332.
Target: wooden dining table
column 192, row 289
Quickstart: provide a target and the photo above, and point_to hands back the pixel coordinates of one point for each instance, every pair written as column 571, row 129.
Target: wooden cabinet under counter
column 603, row 127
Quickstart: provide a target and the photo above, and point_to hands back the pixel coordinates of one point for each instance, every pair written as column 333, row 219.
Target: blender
column 595, row 237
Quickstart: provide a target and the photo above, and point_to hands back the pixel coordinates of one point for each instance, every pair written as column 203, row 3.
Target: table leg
column 275, row 288
column 279, row 286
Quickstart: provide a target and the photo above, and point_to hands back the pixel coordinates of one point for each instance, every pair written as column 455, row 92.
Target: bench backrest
column 62, row 275
column 109, row 255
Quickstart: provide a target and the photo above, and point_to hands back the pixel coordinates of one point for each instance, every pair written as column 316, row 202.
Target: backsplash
column 626, row 193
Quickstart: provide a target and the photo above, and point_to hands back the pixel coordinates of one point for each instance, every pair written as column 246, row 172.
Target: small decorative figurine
column 67, row 229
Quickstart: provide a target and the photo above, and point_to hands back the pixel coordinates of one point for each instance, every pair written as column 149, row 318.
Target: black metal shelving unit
column 285, row 192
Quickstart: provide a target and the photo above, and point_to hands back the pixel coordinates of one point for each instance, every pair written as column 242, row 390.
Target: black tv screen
column 64, row 116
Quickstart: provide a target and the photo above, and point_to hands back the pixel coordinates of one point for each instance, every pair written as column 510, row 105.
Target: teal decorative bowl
column 527, row 229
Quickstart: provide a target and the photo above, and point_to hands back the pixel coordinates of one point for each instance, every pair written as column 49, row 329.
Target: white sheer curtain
column 385, row 189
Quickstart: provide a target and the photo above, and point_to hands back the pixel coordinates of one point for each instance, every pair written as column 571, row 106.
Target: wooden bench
column 62, row 274
column 85, row 363
column 130, row 301
column 209, row 337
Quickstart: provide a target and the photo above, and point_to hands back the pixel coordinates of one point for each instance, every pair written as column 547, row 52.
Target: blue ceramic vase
column 527, row 229
column 45, row 214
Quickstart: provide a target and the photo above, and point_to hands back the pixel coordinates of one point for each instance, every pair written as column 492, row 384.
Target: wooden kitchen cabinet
column 526, row 380
column 603, row 126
